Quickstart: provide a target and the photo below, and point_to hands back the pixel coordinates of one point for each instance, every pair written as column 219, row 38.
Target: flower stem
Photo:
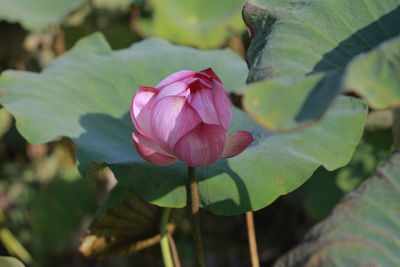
column 251, row 233
column 165, row 249
column 195, row 217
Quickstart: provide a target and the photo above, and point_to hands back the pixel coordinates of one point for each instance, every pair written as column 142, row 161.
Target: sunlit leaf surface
column 304, row 53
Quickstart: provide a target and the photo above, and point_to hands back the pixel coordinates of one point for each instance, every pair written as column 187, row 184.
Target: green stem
column 165, row 249
column 11, row 243
column 13, row 246
column 195, row 217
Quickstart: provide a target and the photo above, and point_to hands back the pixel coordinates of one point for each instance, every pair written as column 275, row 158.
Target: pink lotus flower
column 186, row 117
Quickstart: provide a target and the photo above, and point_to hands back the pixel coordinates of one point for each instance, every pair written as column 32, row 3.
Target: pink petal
column 176, row 76
column 202, row 146
column 152, row 156
column 198, row 81
column 236, row 143
column 150, row 143
column 211, row 74
column 140, row 107
column 202, row 100
column 141, row 98
column 175, row 88
column 222, row 104
column 172, row 117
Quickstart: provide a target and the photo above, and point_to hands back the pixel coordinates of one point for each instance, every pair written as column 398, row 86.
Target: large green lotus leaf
column 204, row 24
column 363, row 229
column 36, row 14
column 273, row 165
column 86, row 94
column 304, row 53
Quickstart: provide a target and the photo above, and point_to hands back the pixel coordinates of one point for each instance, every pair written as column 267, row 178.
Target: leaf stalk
column 251, row 234
column 164, row 242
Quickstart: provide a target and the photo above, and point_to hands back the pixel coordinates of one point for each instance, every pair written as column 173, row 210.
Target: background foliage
column 308, row 65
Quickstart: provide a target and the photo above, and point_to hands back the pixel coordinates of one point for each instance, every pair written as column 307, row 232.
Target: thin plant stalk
column 164, row 243
column 174, row 251
column 195, row 216
column 251, row 233
column 11, row 243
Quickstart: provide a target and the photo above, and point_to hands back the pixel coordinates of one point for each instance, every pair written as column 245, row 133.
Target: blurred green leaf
column 203, row 24
column 13, row 246
column 31, row 189
column 124, row 224
column 87, row 95
column 35, row 15
column 326, row 38
column 363, row 229
column 377, row 120
column 10, row 262
column 116, row 4
column 396, row 126
column 57, row 212
column 324, row 189
column 117, row 33
column 5, row 121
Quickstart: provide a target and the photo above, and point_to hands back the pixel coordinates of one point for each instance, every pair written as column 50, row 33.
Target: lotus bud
column 185, row 117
